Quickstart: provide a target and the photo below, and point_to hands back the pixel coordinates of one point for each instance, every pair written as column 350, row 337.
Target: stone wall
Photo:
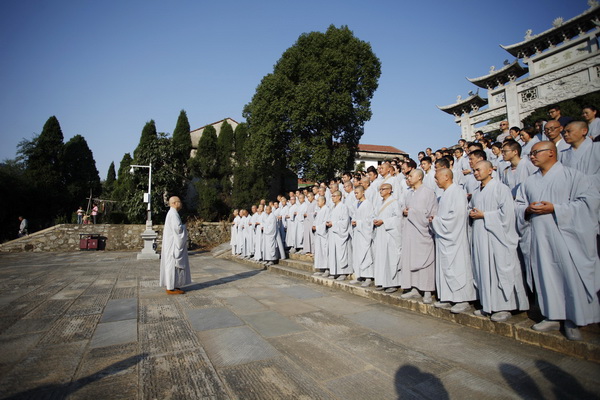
column 65, row 237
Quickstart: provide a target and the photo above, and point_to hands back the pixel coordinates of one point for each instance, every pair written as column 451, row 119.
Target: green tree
column 224, row 161
column 44, row 170
column 243, row 175
column 309, row 114
column 79, row 173
column 182, row 146
column 109, row 184
column 147, row 141
column 204, row 166
column 182, row 141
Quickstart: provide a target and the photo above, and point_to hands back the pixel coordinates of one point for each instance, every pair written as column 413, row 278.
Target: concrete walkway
column 96, row 325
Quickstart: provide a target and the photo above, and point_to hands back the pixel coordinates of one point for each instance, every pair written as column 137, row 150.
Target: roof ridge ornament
column 492, row 68
column 593, row 3
column 528, row 34
column 558, row 22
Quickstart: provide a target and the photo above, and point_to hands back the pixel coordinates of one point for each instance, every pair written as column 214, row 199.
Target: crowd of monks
column 499, row 225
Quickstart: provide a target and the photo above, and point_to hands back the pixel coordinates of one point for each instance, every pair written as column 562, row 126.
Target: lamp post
column 149, row 236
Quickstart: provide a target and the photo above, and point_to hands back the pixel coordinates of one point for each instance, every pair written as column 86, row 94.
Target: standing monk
column 417, row 261
column 557, row 210
column 388, row 242
column 496, row 266
column 454, row 275
column 174, row 263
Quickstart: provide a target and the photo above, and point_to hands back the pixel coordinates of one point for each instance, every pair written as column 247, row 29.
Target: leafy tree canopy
column 309, row 114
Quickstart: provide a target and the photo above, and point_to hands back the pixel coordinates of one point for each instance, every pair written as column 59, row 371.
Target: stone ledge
column 518, row 327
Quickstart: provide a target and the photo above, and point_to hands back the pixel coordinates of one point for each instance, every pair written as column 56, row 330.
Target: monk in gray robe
column 174, row 263
column 518, row 169
column 557, row 208
column 387, row 244
column 321, row 261
column 338, row 241
column 497, row 271
column 269, row 236
column 454, row 274
column 362, row 239
column 309, row 217
column 417, row 262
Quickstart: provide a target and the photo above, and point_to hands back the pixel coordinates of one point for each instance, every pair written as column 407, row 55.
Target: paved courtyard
column 95, row 325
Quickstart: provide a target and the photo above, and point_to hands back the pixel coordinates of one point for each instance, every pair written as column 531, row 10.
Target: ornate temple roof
column 509, row 72
column 561, row 32
column 471, row 103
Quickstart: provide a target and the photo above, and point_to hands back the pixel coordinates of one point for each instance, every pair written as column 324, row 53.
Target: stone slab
column 301, row 292
column 212, row 318
column 71, row 329
column 153, row 312
column 272, row 379
column 352, row 387
column 167, row 336
column 183, row 375
column 244, row 305
column 292, row 307
column 119, row 310
column 112, row 333
column 271, row 324
column 329, row 326
column 318, row 358
column 234, row 346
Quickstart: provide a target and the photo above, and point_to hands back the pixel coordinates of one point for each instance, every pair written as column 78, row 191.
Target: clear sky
column 105, row 68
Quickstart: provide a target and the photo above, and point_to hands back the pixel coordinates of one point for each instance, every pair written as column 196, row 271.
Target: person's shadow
column 564, row 385
column 221, row 281
column 62, row 391
column 408, row 375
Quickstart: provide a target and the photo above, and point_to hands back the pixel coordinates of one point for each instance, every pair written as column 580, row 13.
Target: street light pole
column 149, row 236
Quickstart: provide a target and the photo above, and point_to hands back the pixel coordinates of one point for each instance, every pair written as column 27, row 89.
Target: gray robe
column 309, row 236
column 417, row 262
column 321, row 247
column 269, row 237
column 339, row 240
column 387, row 244
column 362, row 240
column 514, row 177
column 497, row 271
column 454, row 273
column 174, row 263
column 558, row 250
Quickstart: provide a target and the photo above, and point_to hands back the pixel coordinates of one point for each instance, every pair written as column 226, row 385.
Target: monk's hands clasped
column 476, row 214
column 540, row 208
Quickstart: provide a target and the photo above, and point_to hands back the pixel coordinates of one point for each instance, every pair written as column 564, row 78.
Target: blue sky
column 105, row 68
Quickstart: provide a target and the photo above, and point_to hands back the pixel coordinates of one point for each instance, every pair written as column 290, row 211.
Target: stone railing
column 65, row 237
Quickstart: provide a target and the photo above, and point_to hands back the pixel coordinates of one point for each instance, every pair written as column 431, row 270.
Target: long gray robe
column 362, row 240
column 309, row 236
column 234, row 238
column 290, row 233
column 497, row 271
column 454, row 273
column 258, row 236
column 301, row 210
column 387, row 244
column 558, row 250
column 269, row 236
column 585, row 159
column 242, row 235
column 321, row 260
column 174, row 263
column 417, row 261
column 339, row 240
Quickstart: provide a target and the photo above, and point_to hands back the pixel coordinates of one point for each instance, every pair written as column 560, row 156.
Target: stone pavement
column 96, row 325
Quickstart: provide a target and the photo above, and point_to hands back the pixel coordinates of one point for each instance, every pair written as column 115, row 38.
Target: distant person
column 23, row 228
column 80, row 213
column 589, row 114
column 555, row 114
column 94, row 213
column 174, row 263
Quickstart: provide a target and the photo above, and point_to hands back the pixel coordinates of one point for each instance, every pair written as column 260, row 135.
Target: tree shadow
column 409, row 375
column 564, row 385
column 62, row 391
column 222, row 281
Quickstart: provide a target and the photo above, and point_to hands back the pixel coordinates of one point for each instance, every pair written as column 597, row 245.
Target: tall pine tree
column 79, row 172
column 109, row 183
column 224, row 161
column 204, row 166
column 182, row 146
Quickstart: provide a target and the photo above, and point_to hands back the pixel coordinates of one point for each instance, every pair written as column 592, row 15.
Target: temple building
column 373, row 155
column 562, row 63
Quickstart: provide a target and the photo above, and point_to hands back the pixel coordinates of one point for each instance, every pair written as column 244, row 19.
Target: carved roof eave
column 500, row 77
column 467, row 105
column 567, row 30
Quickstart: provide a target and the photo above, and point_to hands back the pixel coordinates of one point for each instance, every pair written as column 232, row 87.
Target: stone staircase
column 517, row 328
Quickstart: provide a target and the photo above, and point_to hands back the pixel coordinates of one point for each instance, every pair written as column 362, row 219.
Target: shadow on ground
column 60, row 392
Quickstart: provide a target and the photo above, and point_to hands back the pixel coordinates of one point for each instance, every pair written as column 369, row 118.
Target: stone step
column 518, row 327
